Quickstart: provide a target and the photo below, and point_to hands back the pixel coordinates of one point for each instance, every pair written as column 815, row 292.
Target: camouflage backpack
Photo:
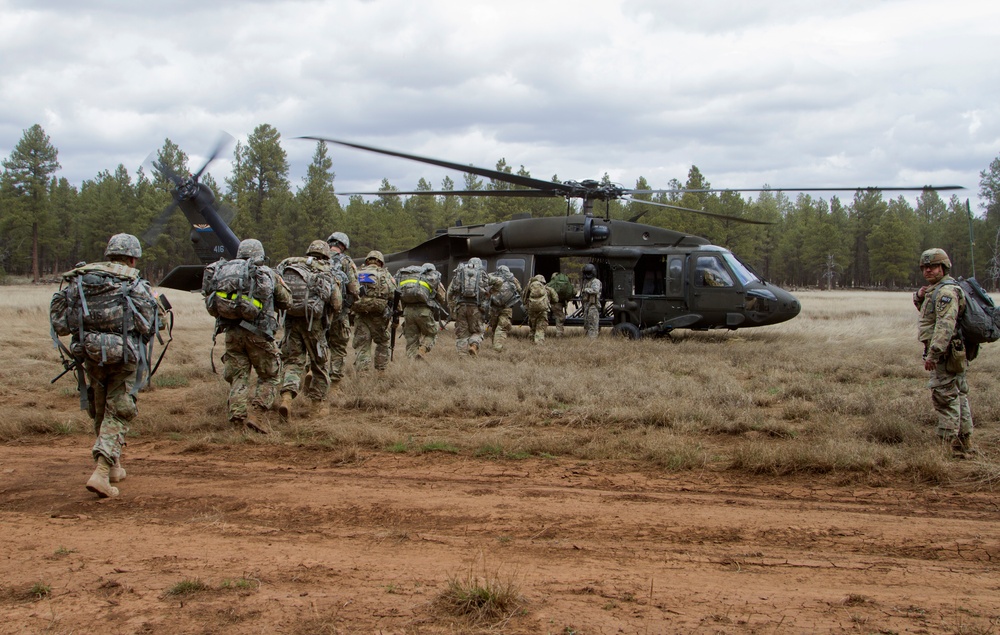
column 415, row 287
column 469, row 283
column 563, row 287
column 105, row 306
column 503, row 291
column 311, row 283
column 237, row 290
column 375, row 290
column 538, row 296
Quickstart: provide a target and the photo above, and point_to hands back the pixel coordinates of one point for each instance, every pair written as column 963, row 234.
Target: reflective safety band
column 235, row 297
column 415, row 281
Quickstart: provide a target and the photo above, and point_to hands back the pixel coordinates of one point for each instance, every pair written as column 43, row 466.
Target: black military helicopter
column 654, row 280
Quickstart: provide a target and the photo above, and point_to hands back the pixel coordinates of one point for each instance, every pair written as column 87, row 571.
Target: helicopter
column 654, row 280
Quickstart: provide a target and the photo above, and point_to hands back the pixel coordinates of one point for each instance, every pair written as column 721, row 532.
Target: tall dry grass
column 840, row 389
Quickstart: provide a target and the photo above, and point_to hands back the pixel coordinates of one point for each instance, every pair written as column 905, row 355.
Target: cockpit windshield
column 741, row 270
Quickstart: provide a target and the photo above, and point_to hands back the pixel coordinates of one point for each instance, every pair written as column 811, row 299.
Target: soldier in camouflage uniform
column 537, row 298
column 339, row 333
column 505, row 290
column 304, row 344
column 940, row 303
column 252, row 346
column 111, row 399
column 421, row 326
column 373, row 327
column 590, row 296
column 467, row 308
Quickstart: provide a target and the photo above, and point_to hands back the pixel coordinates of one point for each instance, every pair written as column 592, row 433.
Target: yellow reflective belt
column 233, row 297
column 415, row 281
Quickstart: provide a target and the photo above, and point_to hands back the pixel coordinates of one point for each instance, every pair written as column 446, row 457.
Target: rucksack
column 311, row 285
column 538, row 296
column 563, row 287
column 503, row 291
column 237, row 290
column 470, row 283
column 374, row 291
column 415, row 287
column 980, row 322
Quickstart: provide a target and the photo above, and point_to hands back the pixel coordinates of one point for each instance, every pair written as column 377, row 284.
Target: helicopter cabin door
column 714, row 290
column 659, row 286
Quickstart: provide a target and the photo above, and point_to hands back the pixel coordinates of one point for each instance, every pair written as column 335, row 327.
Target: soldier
column 537, row 298
column 373, row 313
column 421, row 293
column 315, row 301
column 590, row 296
column 112, row 314
column 565, row 291
column 468, row 295
column 339, row 333
column 505, row 292
column 243, row 294
column 940, row 303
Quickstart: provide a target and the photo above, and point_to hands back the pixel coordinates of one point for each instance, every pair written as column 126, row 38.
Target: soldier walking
column 590, row 296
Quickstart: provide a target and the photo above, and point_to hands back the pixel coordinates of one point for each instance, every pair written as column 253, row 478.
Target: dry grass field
column 776, row 480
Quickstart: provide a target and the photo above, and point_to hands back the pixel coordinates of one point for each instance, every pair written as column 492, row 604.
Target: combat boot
column 474, row 349
column 99, row 483
column 319, row 408
column 961, row 447
column 285, row 409
column 117, row 473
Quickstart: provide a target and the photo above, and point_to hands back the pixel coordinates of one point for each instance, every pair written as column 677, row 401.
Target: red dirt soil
column 308, row 540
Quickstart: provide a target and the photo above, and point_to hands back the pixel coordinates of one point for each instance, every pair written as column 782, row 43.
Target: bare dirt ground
column 308, row 540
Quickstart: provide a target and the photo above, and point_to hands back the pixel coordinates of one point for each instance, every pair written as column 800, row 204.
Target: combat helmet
column 123, row 245
column 503, row 269
column 936, row 256
column 376, row 255
column 319, row 249
column 589, row 271
column 339, row 238
column 252, row 250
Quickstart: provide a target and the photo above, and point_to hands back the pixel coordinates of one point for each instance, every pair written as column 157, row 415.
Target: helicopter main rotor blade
column 513, row 179
column 156, row 227
column 502, row 193
column 916, row 188
column 702, row 212
column 225, row 140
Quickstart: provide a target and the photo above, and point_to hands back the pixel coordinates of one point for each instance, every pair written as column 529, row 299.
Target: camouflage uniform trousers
column 337, row 339
column 369, row 329
column 468, row 327
column 305, row 350
column 538, row 321
column 500, row 322
column 591, row 320
column 246, row 350
column 113, row 406
column 559, row 317
column 950, row 394
column 420, row 328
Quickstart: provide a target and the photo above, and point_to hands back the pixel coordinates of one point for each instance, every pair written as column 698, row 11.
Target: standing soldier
column 537, row 298
column 339, row 333
column 315, row 300
column 243, row 294
column 422, row 294
column 565, row 291
column 505, row 292
column 590, row 296
column 373, row 313
column 112, row 315
column 940, row 303
column 467, row 295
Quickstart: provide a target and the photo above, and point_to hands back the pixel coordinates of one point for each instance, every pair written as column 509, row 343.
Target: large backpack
column 415, row 287
column 980, row 322
column 237, row 290
column 503, row 291
column 563, row 287
column 311, row 284
column 374, row 290
column 538, row 296
column 470, row 284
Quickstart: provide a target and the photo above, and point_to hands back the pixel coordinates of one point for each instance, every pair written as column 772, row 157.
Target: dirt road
column 305, row 540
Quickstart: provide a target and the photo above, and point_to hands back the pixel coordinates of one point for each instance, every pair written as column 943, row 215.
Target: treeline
column 48, row 224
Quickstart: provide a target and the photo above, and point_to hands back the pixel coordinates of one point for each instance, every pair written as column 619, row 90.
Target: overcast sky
column 787, row 93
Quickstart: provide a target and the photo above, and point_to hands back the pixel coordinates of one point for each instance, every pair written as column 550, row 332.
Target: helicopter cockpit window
column 709, row 272
column 516, row 265
column 740, row 269
column 675, row 275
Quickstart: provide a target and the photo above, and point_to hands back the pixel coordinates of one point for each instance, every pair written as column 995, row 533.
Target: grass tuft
column 485, row 599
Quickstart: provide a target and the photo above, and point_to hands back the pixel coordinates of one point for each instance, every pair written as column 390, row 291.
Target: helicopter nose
column 788, row 306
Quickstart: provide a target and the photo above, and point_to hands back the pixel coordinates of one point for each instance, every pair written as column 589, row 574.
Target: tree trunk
column 34, row 252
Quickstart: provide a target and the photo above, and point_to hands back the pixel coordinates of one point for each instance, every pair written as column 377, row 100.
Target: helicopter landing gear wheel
column 626, row 330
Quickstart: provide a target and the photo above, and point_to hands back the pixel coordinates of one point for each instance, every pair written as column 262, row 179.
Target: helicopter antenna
column 972, row 240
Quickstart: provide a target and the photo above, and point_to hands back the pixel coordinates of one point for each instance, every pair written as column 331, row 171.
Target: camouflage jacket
column 591, row 292
column 939, row 311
